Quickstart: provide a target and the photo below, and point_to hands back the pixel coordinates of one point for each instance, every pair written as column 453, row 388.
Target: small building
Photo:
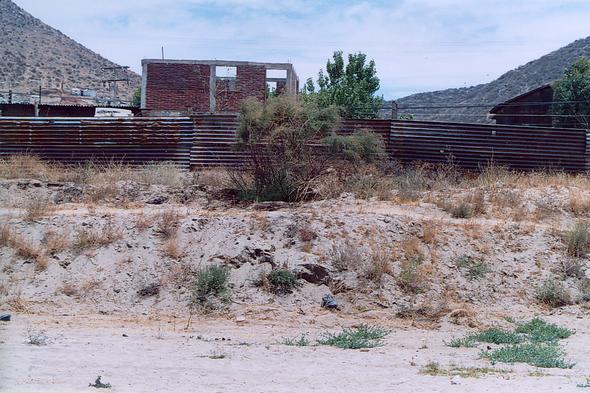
column 181, row 87
column 532, row 108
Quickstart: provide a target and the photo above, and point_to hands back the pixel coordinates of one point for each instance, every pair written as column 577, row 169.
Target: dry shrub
column 68, row 289
column 181, row 274
column 494, row 175
column 430, row 232
column 346, row 256
column 168, row 223
column 476, row 200
column 412, row 275
column 579, row 204
column 573, row 267
column 98, row 237
column 411, row 246
column 25, row 248
column 307, row 234
column 41, row 262
column 214, row 178
column 6, row 235
column 101, row 193
column 143, row 222
column 506, row 199
column 164, row 173
column 37, row 208
column 55, row 242
column 378, row 264
column 27, row 166
column 261, row 222
column 578, row 240
column 172, row 249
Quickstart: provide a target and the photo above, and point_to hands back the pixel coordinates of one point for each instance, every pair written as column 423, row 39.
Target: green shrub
column 536, row 354
column 498, row 336
column 465, row 342
column 411, row 277
column 475, row 268
column 211, row 282
column 282, row 281
column 360, row 145
column 578, row 240
column 462, row 210
column 553, row 294
column 364, row 336
column 540, row 331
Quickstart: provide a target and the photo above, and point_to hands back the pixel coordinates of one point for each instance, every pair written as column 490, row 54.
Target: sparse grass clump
column 168, row 223
column 37, row 208
column 465, row 342
column 474, row 268
column 364, row 336
column 55, row 242
column 378, row 264
column 461, row 210
column 578, row 240
column 553, row 294
column 546, row 355
column 435, row 369
column 282, row 281
column 99, row 237
column 211, row 284
column 297, row 342
column 345, row 256
column 411, row 276
column 498, row 336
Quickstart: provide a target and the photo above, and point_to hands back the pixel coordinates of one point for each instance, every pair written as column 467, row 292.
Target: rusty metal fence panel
column 76, row 140
column 473, row 146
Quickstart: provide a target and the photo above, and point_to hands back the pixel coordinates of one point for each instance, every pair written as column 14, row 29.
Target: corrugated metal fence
column 210, row 141
column 77, row 140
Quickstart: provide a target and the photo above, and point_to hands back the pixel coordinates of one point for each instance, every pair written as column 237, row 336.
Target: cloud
column 418, row 45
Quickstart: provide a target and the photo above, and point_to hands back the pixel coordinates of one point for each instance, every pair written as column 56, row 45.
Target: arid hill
column 31, row 51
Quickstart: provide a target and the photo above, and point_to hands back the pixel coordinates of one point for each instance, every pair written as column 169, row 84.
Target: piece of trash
column 240, row 318
column 5, row 317
column 99, row 384
column 328, row 301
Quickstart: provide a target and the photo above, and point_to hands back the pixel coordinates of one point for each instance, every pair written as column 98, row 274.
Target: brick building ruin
column 181, row 87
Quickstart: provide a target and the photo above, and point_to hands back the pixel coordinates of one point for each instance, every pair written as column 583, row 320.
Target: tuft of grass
column 99, row 237
column 474, row 268
column 553, row 294
column 578, row 240
column 365, row 336
column 282, row 281
column 411, row 277
column 168, row 223
column 545, row 355
column 436, row 370
column 465, row 342
column 296, row 342
column 37, row 208
column 539, row 330
column 55, row 242
column 211, row 282
column 345, row 256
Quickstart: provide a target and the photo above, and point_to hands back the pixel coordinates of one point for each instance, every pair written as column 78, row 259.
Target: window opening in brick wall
column 228, row 72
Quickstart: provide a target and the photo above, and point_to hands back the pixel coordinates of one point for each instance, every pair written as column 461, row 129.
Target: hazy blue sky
column 418, row 45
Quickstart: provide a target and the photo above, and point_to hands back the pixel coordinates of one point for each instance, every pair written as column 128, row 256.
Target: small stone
column 240, row 318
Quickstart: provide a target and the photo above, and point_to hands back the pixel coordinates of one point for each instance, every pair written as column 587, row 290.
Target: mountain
column 33, row 52
column 536, row 73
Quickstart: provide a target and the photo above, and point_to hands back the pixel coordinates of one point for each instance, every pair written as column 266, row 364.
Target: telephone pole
column 116, row 78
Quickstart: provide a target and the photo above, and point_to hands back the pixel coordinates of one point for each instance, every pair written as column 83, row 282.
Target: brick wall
column 185, row 87
column 178, row 87
column 250, row 82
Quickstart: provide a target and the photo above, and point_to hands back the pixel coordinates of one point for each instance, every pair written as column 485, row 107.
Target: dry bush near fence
column 22, row 166
column 37, row 208
column 579, row 204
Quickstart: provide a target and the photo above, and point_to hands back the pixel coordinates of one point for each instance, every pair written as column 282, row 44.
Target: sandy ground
column 142, row 355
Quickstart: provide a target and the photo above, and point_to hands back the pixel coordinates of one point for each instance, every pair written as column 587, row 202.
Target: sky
column 418, row 45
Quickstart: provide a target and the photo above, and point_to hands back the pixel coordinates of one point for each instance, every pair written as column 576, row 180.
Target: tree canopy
column 352, row 87
column 571, row 95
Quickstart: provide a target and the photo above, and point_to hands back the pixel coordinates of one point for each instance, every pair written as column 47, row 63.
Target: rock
column 314, row 273
column 240, row 318
column 157, row 200
column 5, row 317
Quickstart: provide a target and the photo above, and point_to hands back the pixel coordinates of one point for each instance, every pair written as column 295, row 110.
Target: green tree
column 136, row 100
column 571, row 95
column 352, row 86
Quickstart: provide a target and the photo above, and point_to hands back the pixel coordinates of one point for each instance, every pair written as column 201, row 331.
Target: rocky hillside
column 520, row 80
column 31, row 50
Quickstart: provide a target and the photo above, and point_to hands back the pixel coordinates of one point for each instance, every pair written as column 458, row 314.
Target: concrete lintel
column 227, row 63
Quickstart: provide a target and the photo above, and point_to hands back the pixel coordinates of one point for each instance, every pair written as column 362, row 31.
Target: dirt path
column 225, row 356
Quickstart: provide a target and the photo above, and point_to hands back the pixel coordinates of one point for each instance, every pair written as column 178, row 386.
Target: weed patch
column 282, row 281
column 553, row 294
column 364, row 336
column 296, row 342
column 545, row 355
column 474, row 268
